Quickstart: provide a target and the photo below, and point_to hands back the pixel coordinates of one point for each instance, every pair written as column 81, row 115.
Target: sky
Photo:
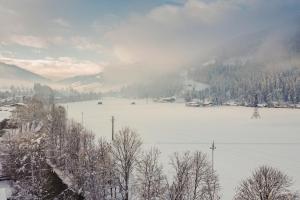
column 124, row 39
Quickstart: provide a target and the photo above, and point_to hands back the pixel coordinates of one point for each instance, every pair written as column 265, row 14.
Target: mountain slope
column 14, row 73
column 83, row 79
column 84, row 82
column 258, row 68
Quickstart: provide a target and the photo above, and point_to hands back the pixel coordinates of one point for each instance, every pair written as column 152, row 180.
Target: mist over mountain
column 269, row 50
column 260, row 67
column 92, row 82
column 18, row 76
column 82, row 80
column 264, row 63
column 276, row 48
column 14, row 75
column 191, row 37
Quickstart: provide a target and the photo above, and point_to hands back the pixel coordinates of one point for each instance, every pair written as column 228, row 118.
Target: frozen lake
column 242, row 143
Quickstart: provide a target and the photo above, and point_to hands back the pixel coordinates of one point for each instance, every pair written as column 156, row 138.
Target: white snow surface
column 5, row 190
column 243, row 144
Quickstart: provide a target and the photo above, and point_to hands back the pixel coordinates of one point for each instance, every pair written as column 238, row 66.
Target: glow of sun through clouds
column 57, row 68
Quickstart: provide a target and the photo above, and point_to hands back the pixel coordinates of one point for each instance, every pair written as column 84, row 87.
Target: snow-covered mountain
column 12, row 74
column 84, row 82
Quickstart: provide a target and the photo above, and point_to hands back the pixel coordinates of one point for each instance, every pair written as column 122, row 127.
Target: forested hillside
column 262, row 67
column 243, row 83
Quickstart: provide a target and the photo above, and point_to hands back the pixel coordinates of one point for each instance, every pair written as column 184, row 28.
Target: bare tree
column 266, row 183
column 106, row 169
column 204, row 182
column 125, row 149
column 100, row 180
column 26, row 163
column 199, row 172
column 151, row 182
column 194, row 178
column 56, row 129
column 182, row 165
column 72, row 147
column 211, row 186
column 34, row 112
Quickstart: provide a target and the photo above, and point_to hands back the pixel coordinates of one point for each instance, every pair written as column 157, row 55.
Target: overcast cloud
column 59, row 39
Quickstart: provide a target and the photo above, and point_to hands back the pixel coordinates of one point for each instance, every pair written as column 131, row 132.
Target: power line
column 226, row 143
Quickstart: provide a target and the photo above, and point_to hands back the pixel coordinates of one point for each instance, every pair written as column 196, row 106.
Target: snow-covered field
column 5, row 190
column 4, row 112
column 242, row 143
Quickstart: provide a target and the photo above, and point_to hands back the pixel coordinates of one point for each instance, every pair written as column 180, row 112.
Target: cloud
column 62, row 22
column 83, row 43
column 56, row 68
column 38, row 42
column 29, row 41
column 173, row 36
column 7, row 54
column 194, row 10
column 7, row 10
column 148, row 42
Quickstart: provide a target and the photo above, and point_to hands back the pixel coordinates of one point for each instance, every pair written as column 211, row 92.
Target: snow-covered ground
column 242, row 143
column 5, row 190
column 5, row 112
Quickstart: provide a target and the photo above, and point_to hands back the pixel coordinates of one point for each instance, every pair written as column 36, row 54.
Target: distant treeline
column 163, row 86
column 45, row 94
column 242, row 84
column 48, row 95
column 248, row 85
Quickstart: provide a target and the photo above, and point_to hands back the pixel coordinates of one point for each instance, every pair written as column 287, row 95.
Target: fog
column 137, row 43
column 174, row 37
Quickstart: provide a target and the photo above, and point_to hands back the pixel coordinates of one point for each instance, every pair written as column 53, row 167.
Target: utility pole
column 112, row 127
column 256, row 114
column 213, row 148
column 82, row 118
